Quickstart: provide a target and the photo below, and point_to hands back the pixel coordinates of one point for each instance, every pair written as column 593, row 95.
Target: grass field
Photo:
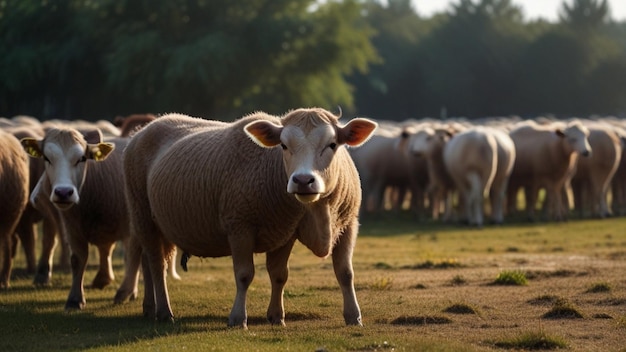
column 421, row 287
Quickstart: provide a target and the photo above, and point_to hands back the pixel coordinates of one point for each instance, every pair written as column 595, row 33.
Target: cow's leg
column 46, row 259
column 531, row 193
column 171, row 266
column 78, row 260
column 132, row 260
column 27, row 235
column 149, row 300
column 6, row 243
column 156, row 257
column 278, row 270
column 105, row 272
column 342, row 264
column 243, row 265
column 497, row 194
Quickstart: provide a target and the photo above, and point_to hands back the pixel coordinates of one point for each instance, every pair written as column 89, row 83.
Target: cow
column 14, row 175
column 590, row 184
column 506, row 160
column 255, row 185
column 83, row 180
column 381, row 167
column 471, row 160
column 427, row 142
column 546, row 157
column 33, row 215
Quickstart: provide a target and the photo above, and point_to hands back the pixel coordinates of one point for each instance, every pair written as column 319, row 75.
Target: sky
column 533, row 9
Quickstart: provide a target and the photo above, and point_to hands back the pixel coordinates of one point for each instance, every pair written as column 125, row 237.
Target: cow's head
column 576, row 138
column 309, row 139
column 427, row 140
column 65, row 152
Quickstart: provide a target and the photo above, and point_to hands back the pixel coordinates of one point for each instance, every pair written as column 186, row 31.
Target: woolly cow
column 471, row 159
column 13, row 197
column 83, row 179
column 232, row 191
column 546, row 157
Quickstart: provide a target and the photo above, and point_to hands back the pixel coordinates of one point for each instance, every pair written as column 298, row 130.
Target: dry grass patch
column 532, row 341
column 441, row 264
column 600, row 287
column 461, row 308
column 563, row 310
column 546, row 300
column 420, row 320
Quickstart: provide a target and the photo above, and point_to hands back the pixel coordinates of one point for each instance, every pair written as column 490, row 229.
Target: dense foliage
column 223, row 58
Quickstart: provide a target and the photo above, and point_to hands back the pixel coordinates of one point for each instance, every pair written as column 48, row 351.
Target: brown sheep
column 228, row 191
column 13, row 197
column 82, row 180
column 546, row 157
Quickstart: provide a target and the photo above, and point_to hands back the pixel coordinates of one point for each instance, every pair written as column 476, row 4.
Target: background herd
column 452, row 170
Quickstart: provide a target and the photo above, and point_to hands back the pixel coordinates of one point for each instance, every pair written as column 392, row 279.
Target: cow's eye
column 45, row 158
column 282, row 145
column 81, row 160
column 332, row 146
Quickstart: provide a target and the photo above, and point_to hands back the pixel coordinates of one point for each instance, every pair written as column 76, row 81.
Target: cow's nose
column 63, row 192
column 303, row 179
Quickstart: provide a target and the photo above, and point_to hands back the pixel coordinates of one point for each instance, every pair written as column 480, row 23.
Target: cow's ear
column 264, row 133
column 92, row 136
column 100, row 151
column 559, row 133
column 356, row 132
column 32, row 147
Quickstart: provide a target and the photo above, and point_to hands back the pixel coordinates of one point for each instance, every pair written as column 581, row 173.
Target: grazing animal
column 32, row 215
column 592, row 180
column 506, row 160
column 546, row 157
column 471, row 159
column 381, row 167
column 229, row 190
column 13, row 198
column 135, row 122
column 82, row 179
column 428, row 142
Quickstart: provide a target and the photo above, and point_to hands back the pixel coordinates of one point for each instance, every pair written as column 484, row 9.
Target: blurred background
column 221, row 59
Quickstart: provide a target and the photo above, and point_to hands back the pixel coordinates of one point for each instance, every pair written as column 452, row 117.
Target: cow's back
column 14, row 175
column 212, row 182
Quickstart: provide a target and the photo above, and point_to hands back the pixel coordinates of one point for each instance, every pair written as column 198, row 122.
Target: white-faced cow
column 252, row 186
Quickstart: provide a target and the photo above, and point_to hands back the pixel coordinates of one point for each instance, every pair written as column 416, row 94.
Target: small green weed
column 511, row 277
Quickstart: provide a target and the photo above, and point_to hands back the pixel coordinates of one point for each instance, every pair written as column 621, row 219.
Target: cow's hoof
column 74, row 305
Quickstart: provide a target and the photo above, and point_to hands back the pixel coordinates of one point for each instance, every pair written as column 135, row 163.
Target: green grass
column 403, row 306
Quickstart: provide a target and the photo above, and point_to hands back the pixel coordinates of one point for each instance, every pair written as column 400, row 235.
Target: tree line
column 220, row 59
